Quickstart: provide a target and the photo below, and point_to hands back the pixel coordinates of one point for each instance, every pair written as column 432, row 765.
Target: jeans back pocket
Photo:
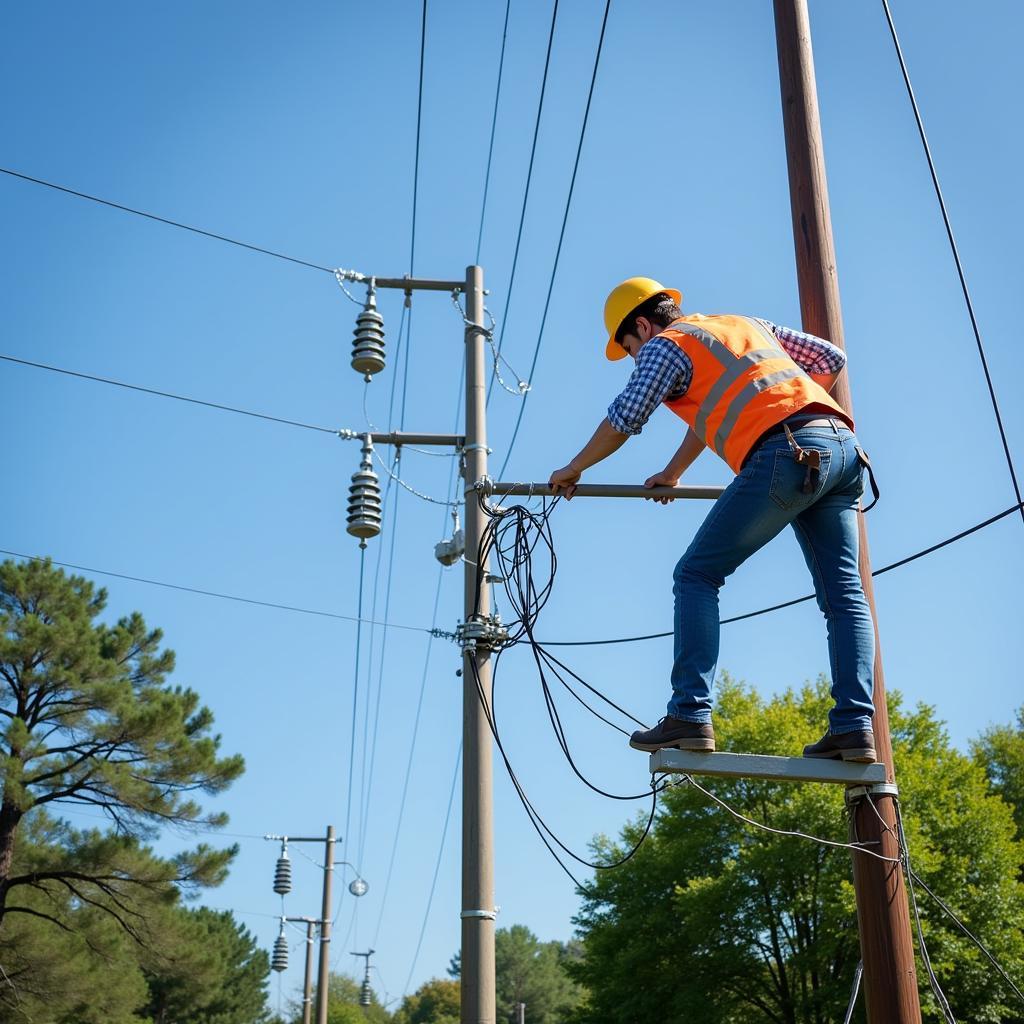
column 788, row 477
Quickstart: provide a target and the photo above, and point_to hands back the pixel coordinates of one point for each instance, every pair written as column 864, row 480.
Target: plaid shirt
column 664, row 371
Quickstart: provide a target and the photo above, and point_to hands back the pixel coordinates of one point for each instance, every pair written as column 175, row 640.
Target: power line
column 218, row 594
column 526, row 193
column 494, row 123
column 437, row 867
column 419, row 122
column 355, row 704
column 807, row 597
column 169, row 394
column 956, row 258
column 561, row 238
column 419, row 710
column 164, row 220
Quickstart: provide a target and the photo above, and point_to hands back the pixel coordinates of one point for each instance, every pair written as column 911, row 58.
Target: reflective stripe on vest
column 745, row 396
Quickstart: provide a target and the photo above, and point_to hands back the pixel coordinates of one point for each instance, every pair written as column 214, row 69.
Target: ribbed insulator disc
column 365, row 509
column 279, row 958
column 365, row 999
column 283, row 875
column 368, row 346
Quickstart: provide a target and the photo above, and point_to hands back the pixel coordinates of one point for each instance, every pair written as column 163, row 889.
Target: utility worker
column 758, row 395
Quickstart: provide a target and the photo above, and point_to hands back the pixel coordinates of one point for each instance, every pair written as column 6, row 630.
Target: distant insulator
column 279, row 958
column 283, row 873
column 365, row 508
column 365, row 997
column 368, row 346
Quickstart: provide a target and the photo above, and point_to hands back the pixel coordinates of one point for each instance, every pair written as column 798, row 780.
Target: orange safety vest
column 743, row 383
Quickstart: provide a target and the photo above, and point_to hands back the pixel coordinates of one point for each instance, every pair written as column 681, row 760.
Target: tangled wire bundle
column 514, row 537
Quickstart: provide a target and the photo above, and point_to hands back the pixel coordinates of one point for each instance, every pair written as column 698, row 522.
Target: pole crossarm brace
column 400, row 437
column 763, row 766
column 299, row 839
column 405, row 284
column 491, row 487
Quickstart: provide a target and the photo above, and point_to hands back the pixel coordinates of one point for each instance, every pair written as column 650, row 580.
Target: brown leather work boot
column 850, row 746
column 674, row 732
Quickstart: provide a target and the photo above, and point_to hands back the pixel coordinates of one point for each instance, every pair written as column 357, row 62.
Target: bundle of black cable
column 511, row 540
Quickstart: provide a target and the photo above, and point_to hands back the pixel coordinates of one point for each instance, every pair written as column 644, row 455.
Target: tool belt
column 811, row 458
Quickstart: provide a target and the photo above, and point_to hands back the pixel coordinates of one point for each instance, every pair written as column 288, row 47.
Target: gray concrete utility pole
column 890, row 980
column 307, row 985
column 323, row 975
column 478, row 997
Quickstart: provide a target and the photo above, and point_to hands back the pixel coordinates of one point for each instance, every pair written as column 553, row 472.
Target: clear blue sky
column 293, row 128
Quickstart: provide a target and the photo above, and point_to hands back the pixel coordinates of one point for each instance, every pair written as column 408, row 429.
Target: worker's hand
column 662, row 479
column 563, row 481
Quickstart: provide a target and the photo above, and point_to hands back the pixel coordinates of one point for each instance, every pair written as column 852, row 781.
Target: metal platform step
column 764, row 766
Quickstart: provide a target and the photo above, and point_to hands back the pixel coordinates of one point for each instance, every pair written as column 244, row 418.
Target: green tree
column 87, row 718
column 209, row 970
column 343, row 1006
column 70, row 962
column 84, row 970
column 1000, row 751
column 713, row 921
column 435, row 1002
column 532, row 972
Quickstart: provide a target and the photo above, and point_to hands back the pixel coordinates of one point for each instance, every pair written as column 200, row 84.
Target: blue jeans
column 766, row 496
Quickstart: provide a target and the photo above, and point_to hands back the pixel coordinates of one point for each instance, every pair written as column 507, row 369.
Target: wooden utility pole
column 890, row 980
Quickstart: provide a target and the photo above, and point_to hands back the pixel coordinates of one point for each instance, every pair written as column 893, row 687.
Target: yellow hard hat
column 624, row 298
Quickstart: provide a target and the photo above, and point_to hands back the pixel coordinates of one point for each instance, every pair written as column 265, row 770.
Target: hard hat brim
column 614, row 351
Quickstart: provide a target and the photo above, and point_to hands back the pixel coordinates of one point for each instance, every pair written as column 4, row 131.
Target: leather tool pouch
column 809, row 457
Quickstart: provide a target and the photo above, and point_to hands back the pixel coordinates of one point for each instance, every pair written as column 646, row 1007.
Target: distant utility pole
column 283, row 885
column 890, row 981
column 520, row 1013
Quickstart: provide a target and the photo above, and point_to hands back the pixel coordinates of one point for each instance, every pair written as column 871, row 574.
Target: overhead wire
column 355, row 703
column 168, row 394
column 221, row 595
column 807, row 597
column 164, row 220
column 956, row 257
column 494, row 125
column 526, row 191
column 419, row 709
column 437, row 869
column 367, row 791
column 561, row 238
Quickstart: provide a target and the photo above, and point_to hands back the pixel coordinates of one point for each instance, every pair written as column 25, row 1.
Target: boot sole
column 704, row 746
column 859, row 755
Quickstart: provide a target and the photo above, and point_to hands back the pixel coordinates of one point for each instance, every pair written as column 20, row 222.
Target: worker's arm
column 605, row 441
column 680, row 462
column 819, row 359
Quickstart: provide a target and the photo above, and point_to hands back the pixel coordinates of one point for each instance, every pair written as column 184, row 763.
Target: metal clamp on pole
column 481, row 633
column 854, row 793
column 487, row 915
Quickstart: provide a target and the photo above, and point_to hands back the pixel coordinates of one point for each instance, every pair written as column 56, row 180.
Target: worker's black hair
column 660, row 309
